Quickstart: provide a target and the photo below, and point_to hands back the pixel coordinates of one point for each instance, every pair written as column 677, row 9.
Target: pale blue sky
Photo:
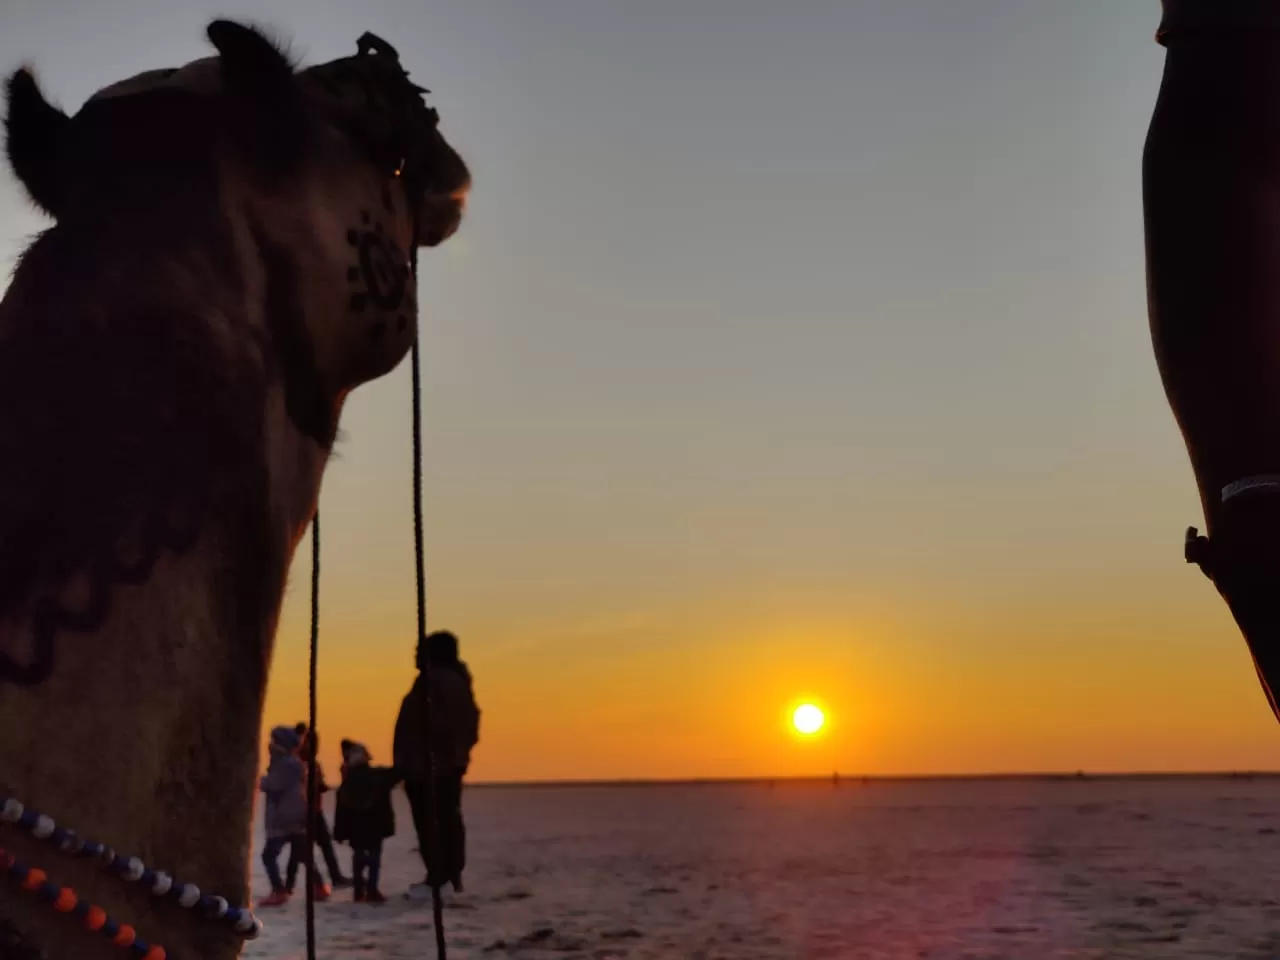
column 762, row 313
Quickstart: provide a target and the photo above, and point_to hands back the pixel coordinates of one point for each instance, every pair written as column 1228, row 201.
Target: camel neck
column 159, row 756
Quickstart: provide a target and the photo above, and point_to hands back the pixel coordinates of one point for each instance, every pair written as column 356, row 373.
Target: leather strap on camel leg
column 1196, row 548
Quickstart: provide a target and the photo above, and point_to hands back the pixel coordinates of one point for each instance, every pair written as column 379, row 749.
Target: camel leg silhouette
column 1211, row 196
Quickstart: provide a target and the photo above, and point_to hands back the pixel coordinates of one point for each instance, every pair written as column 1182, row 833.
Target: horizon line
column 850, row 778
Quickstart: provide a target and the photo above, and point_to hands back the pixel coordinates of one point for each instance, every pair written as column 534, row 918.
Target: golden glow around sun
column 808, row 719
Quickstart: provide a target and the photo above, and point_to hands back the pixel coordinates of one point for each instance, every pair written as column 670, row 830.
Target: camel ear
column 269, row 112
column 251, row 63
column 35, row 136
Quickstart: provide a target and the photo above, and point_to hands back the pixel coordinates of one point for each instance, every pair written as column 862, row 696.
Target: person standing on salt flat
column 285, row 818
column 364, row 817
column 446, row 748
column 324, row 840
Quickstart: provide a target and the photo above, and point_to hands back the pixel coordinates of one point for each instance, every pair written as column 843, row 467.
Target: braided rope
column 313, row 782
column 433, row 845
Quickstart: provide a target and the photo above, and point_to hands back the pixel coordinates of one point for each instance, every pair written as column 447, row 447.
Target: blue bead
column 48, row 891
column 18, row 869
column 141, row 947
column 81, row 909
column 206, row 904
column 59, row 836
column 28, row 819
column 91, row 849
column 148, row 878
column 232, row 915
column 118, row 864
column 110, row 928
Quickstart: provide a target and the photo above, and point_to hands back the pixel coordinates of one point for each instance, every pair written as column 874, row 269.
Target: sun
column 808, row 719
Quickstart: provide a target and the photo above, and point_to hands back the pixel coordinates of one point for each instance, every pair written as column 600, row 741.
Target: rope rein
column 433, row 847
column 313, row 782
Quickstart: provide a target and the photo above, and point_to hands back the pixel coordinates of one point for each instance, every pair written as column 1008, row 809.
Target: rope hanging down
column 313, row 783
column 433, row 846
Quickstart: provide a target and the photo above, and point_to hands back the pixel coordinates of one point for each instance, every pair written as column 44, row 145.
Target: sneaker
column 276, row 898
column 418, row 892
column 358, row 897
column 375, row 896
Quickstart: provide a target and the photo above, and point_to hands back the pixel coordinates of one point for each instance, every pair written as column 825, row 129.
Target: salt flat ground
column 991, row 869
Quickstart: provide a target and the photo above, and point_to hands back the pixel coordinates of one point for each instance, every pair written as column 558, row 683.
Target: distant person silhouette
column 285, row 816
column 455, row 730
column 364, row 817
column 1210, row 171
column 324, row 840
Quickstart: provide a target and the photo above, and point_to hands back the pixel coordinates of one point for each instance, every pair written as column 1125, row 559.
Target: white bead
column 246, row 922
column 72, row 843
column 163, row 884
column 134, row 870
column 12, row 812
column 44, row 827
column 220, row 907
column 256, row 931
column 190, row 895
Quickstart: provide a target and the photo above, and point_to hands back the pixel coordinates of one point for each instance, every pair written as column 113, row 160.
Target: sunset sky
column 789, row 351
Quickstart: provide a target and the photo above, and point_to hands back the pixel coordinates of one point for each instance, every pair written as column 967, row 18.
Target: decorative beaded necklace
column 130, row 869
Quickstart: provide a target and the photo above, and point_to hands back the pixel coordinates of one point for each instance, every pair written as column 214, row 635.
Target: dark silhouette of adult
column 443, row 746
column 1211, row 195
column 324, row 839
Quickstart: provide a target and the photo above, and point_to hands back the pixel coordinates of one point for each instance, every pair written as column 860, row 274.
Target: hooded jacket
column 455, row 724
column 363, row 815
column 284, row 785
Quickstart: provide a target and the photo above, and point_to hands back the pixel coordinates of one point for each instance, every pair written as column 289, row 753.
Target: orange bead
column 95, row 918
column 126, row 936
column 155, row 953
column 66, row 901
column 34, row 879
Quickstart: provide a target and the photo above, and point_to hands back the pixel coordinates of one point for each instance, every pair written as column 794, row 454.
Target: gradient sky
column 789, row 350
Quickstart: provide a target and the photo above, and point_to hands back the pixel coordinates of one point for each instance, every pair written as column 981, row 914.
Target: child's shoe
column 418, row 892
column 276, row 898
column 374, row 896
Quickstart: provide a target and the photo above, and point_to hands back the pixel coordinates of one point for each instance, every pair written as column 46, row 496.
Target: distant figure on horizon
column 285, row 816
column 324, row 840
column 1210, row 167
column 455, row 730
column 363, row 817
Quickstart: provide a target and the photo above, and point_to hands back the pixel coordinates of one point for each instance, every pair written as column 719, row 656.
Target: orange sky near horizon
column 1098, row 678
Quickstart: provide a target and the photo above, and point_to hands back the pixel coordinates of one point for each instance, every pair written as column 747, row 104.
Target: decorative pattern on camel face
column 381, row 283
column 110, row 368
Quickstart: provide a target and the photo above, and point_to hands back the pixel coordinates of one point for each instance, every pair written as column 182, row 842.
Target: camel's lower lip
column 440, row 219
